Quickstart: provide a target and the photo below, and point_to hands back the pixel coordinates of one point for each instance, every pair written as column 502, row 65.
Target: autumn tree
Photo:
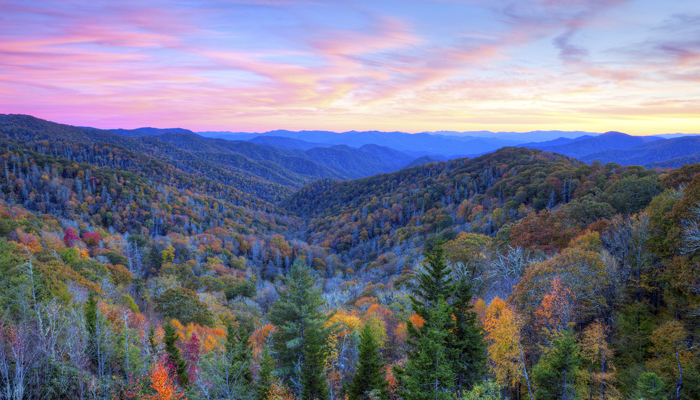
column 598, row 356
column 162, row 384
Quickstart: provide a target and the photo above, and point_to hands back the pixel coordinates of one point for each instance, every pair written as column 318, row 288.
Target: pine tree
column 468, row 340
column 176, row 362
column 91, row 328
column 265, row 379
column 314, row 385
column 556, row 373
column 429, row 372
column 463, row 348
column 239, row 354
column 369, row 376
column 300, row 324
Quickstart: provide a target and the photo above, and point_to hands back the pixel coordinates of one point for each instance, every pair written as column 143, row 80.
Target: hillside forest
column 177, row 268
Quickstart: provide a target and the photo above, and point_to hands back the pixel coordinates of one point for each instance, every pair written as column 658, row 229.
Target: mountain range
column 292, row 159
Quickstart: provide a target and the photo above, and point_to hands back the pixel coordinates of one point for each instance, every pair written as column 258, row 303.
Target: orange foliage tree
column 163, row 384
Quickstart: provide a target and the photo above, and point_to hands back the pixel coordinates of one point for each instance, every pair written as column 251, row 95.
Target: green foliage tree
column 464, row 347
column 300, row 337
column 185, row 306
column 467, row 341
column 429, row 371
column 651, row 387
column 90, row 311
column 175, row 360
column 558, row 371
column 238, row 351
column 267, row 367
column 487, row 390
column 632, row 194
column 369, row 376
column 313, row 380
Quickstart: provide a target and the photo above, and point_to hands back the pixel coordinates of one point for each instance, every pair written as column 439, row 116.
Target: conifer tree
column 265, row 380
column 557, row 372
column 314, row 385
column 299, row 341
column 462, row 347
column 239, row 355
column 369, row 376
column 429, row 373
column 468, row 340
column 91, row 328
column 174, row 358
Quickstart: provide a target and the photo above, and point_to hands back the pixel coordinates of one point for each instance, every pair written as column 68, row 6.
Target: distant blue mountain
column 670, row 153
column 607, row 141
column 141, row 132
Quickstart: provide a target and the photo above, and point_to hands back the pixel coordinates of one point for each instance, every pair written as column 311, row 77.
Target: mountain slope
column 403, row 208
column 286, row 143
column 606, row 141
column 659, row 151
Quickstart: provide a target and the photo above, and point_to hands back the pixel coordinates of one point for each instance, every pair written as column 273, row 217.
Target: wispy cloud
column 414, row 65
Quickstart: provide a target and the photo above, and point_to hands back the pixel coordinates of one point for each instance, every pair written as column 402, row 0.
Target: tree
column 176, row 363
column 313, row 380
column 487, row 390
column 370, row 377
column 238, row 349
column 162, row 384
column 265, row 378
column 92, row 347
column 468, row 340
column 227, row 374
column 429, row 372
column 301, row 333
column 651, row 387
column 506, row 356
column 595, row 349
column 556, row 374
column 184, row 305
column 464, row 343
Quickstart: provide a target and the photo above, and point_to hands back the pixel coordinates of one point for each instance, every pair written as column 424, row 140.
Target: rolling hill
column 667, row 153
column 606, row 141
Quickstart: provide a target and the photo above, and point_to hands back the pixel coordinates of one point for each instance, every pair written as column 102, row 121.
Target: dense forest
column 159, row 267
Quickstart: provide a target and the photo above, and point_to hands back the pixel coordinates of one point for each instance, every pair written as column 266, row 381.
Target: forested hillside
column 172, row 266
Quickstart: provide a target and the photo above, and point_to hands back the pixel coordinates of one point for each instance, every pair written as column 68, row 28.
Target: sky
column 413, row 66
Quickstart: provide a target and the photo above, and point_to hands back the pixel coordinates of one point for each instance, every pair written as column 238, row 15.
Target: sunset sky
column 521, row 65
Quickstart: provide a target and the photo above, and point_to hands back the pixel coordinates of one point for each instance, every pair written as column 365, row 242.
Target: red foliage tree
column 70, row 238
column 91, row 239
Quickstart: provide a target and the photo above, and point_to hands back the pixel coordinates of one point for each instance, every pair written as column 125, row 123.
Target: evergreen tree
column 558, row 370
column 429, row 373
column 434, row 283
column 314, row 385
column 180, row 365
column 267, row 366
column 152, row 344
column 299, row 341
column 463, row 347
column 90, row 311
column 468, row 340
column 155, row 258
column 369, row 376
column 239, row 354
